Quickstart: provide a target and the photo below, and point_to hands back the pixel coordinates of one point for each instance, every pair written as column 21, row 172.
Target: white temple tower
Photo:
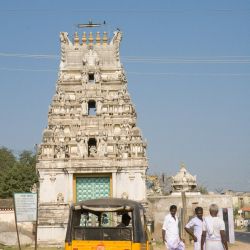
column 91, row 147
column 183, row 181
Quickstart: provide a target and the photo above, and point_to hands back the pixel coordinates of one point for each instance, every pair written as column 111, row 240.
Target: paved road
column 242, row 236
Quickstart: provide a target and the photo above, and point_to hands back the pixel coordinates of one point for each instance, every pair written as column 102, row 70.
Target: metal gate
column 92, row 187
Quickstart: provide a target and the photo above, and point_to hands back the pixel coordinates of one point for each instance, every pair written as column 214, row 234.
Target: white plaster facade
column 7, row 223
column 91, row 132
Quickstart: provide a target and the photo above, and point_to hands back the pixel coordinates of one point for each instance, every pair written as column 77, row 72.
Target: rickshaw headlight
column 100, row 247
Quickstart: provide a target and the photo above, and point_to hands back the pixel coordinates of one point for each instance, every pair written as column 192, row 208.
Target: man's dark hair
column 173, row 207
column 126, row 217
column 198, row 209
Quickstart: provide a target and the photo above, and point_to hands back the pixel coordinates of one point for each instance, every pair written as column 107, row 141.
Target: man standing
column 170, row 231
column 213, row 231
column 196, row 224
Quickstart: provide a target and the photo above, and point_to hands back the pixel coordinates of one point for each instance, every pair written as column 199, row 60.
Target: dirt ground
column 236, row 246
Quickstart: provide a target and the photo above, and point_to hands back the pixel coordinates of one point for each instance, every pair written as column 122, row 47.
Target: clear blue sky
column 190, row 80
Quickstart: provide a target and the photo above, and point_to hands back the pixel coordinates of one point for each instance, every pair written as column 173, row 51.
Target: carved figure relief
column 52, row 178
column 60, row 198
column 84, row 107
column 64, row 38
column 116, row 41
column 102, row 147
column 84, row 77
column 122, row 76
column 59, row 152
column 91, row 59
column 92, row 151
column 97, row 76
column 48, row 151
column 82, row 147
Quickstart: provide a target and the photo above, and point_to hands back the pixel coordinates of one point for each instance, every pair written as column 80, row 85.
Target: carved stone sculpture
column 92, row 151
column 84, row 107
column 84, row 77
column 91, row 59
column 82, row 148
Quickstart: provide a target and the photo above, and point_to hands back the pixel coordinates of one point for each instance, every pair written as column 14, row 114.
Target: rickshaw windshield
column 102, row 225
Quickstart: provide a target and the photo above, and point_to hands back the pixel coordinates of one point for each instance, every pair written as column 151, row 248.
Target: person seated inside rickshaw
column 125, row 220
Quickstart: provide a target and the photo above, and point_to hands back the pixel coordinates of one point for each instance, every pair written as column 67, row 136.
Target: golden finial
column 84, row 38
column 91, row 39
column 182, row 165
column 76, row 39
column 105, row 38
column 98, row 38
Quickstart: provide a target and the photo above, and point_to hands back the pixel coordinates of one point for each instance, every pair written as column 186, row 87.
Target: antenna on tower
column 90, row 24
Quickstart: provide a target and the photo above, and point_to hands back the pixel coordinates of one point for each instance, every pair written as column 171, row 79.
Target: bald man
column 213, row 231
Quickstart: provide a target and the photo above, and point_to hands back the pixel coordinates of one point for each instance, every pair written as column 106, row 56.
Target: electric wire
column 143, row 59
column 166, row 74
column 156, row 60
column 125, row 11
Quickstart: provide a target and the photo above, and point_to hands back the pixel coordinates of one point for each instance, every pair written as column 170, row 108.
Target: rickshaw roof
column 108, row 202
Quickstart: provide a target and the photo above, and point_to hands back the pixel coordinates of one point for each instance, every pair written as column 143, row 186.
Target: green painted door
column 92, row 187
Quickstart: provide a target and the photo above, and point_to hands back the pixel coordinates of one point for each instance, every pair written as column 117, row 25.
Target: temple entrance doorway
column 91, row 187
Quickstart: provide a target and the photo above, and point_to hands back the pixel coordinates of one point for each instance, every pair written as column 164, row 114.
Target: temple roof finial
column 105, row 37
column 182, row 165
column 84, row 38
column 98, row 38
column 76, row 39
column 91, row 39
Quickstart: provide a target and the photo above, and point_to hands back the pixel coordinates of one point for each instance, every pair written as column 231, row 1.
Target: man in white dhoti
column 170, row 231
column 196, row 224
column 213, row 231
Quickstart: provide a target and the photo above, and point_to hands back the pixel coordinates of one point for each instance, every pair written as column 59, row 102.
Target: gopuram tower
column 91, row 147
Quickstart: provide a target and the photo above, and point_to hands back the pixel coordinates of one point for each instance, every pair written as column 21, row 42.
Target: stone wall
column 158, row 207
column 7, row 216
column 8, row 229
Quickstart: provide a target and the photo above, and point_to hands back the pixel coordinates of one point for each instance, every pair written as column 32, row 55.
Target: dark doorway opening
column 91, row 78
column 92, row 108
column 92, row 149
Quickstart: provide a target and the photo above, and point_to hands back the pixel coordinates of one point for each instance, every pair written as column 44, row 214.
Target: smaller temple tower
column 184, row 181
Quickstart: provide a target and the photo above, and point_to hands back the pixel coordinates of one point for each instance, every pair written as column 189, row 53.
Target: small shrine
column 183, row 181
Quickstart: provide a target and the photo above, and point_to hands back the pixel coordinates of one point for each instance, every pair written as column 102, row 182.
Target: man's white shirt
column 170, row 225
column 213, row 226
column 196, row 224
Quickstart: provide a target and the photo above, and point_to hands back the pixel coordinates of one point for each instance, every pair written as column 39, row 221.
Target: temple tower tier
column 91, row 147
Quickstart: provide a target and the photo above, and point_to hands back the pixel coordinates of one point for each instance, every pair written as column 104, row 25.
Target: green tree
column 7, row 159
column 202, row 189
column 27, row 158
column 19, row 177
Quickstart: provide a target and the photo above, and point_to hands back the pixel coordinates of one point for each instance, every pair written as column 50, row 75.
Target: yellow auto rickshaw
column 100, row 225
